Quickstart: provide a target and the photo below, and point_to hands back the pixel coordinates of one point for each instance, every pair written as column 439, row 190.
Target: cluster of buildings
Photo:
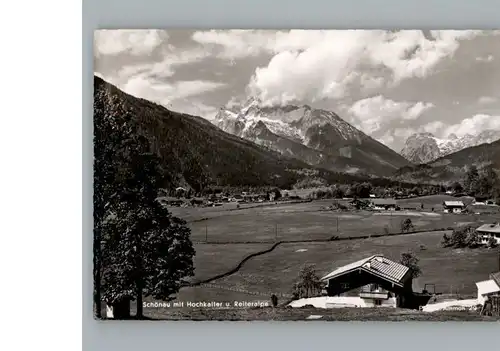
column 215, row 199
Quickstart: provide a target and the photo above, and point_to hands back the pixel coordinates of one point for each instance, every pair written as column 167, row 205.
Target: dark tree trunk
column 97, row 274
column 139, row 278
column 139, row 314
column 121, row 309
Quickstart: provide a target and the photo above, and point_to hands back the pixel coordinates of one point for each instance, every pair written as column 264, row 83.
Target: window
column 377, row 302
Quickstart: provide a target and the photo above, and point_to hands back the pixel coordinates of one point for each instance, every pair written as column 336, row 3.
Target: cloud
column 395, row 138
column 160, row 69
column 132, row 42
column 487, row 100
column 235, row 44
column 434, row 127
column 474, row 125
column 488, row 58
column 372, row 114
column 125, row 58
column 318, row 64
column 195, row 108
column 165, row 94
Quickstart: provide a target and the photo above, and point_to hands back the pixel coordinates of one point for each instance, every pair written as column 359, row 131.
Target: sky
column 389, row 84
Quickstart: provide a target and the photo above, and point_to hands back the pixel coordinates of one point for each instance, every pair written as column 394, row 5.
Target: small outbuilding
column 384, row 204
column 453, row 206
column 487, row 289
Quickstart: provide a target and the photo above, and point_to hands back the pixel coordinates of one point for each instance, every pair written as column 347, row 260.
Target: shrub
column 407, row 225
column 464, row 237
column 308, row 283
column 492, row 243
column 445, row 240
column 410, row 260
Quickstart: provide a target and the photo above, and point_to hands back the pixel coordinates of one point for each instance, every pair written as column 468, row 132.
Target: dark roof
column 496, row 277
column 170, row 199
column 384, row 202
column 377, row 265
column 454, row 203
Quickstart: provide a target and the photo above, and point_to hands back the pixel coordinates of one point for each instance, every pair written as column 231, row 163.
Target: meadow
column 312, row 221
column 452, row 271
column 236, row 233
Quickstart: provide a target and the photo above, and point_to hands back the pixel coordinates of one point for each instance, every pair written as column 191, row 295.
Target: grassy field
column 305, row 221
column 211, row 260
column 454, row 272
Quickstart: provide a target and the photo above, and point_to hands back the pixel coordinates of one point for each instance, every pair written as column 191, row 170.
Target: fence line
column 330, row 239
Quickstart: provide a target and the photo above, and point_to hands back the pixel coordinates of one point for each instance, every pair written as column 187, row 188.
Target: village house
column 488, row 289
column 381, row 282
column 487, row 231
column 453, row 206
column 384, row 204
column 238, row 198
column 172, row 201
column 197, row 201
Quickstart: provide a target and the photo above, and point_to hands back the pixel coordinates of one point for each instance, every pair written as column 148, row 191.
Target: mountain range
column 425, row 147
column 454, row 166
column 274, row 146
column 317, row 137
column 195, row 153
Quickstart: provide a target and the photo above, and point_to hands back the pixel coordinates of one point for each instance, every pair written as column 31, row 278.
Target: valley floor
column 224, row 238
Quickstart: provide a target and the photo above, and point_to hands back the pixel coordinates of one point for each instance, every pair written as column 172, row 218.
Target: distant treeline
column 364, row 190
column 484, row 184
column 341, row 185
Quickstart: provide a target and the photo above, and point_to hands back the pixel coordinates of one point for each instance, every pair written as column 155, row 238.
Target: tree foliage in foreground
column 140, row 249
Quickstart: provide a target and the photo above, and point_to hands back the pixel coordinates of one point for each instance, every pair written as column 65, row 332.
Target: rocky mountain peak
column 425, row 147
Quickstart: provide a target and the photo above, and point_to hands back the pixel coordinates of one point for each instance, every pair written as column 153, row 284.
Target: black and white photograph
column 296, row 175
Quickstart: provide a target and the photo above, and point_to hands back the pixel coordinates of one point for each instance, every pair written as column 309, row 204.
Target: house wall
column 485, row 236
column 481, row 298
column 358, row 278
column 354, row 301
column 390, row 302
column 453, row 209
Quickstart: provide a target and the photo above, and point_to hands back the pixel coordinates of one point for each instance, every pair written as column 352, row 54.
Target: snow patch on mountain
column 315, row 136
